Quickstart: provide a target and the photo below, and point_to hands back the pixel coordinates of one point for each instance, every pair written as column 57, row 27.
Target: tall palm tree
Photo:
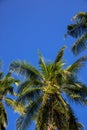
column 78, row 30
column 43, row 92
column 6, row 87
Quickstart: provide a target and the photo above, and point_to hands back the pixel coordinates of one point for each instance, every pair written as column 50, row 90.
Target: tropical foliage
column 42, row 93
column 78, row 30
column 5, row 88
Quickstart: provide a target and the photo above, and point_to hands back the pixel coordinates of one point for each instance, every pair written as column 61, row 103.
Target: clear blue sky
column 29, row 25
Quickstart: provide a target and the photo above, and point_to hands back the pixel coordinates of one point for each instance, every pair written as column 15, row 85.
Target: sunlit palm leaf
column 18, row 107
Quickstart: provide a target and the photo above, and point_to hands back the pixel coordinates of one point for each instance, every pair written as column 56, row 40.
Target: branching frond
column 17, row 106
column 29, row 83
column 76, row 92
column 30, row 94
column 80, row 16
column 76, row 30
column 80, row 44
column 76, row 66
column 25, row 69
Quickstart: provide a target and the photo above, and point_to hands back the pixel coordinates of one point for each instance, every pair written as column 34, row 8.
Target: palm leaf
column 80, row 45
column 76, row 66
column 60, row 54
column 17, row 107
column 32, row 108
column 24, row 69
column 28, row 83
column 43, row 66
column 79, row 30
column 30, row 94
column 76, row 92
column 76, row 30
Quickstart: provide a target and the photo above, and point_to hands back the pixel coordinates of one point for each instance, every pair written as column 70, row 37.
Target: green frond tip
column 41, row 60
column 39, row 53
column 60, row 54
column 80, row 15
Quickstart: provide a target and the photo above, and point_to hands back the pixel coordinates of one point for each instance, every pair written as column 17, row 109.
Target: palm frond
column 80, row 44
column 24, row 69
column 77, row 92
column 43, row 66
column 76, row 66
column 76, row 30
column 30, row 94
column 60, row 54
column 31, row 110
column 28, row 83
column 80, row 26
column 17, row 106
column 80, row 16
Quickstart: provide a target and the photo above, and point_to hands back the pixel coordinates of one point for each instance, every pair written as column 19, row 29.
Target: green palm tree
column 43, row 92
column 6, row 87
column 78, row 30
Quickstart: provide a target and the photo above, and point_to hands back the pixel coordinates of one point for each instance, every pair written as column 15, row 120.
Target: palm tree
column 43, row 92
column 78, row 30
column 6, row 87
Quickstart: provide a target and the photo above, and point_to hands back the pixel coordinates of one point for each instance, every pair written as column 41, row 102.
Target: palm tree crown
column 78, row 30
column 42, row 93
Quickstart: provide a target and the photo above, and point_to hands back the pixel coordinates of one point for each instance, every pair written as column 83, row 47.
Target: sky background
column 30, row 25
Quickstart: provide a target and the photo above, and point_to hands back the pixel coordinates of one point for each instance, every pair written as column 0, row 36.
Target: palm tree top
column 41, row 92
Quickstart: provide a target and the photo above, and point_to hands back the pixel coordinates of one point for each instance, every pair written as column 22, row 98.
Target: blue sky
column 29, row 25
